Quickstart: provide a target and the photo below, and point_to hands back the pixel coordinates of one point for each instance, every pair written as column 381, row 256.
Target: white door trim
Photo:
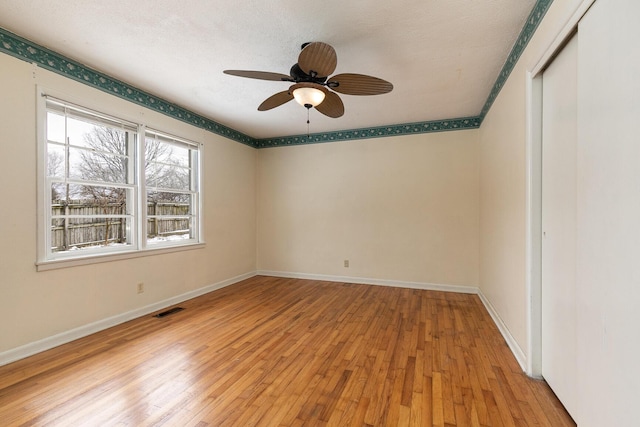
column 533, row 192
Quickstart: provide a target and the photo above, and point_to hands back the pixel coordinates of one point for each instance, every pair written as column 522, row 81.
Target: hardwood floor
column 286, row 352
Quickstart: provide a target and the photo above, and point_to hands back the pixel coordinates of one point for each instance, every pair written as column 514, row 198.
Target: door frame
column 533, row 193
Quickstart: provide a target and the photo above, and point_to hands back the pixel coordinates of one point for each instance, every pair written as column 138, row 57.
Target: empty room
column 368, row 213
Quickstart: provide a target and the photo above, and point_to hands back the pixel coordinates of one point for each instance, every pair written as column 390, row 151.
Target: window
column 113, row 186
column 171, row 189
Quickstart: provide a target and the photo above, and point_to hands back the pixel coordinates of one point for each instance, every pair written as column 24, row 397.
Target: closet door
column 559, row 144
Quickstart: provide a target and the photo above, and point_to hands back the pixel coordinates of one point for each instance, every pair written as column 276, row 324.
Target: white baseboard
column 32, row 348
column 368, row 281
column 511, row 341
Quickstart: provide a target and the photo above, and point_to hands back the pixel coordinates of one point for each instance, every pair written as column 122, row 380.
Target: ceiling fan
column 312, row 85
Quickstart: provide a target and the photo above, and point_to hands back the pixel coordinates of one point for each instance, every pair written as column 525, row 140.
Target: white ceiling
column 442, row 56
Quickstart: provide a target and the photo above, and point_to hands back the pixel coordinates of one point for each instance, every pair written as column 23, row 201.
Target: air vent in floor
column 168, row 312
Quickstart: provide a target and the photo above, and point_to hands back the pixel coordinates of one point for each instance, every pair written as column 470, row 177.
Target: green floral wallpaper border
column 21, row 48
column 530, row 27
column 377, row 132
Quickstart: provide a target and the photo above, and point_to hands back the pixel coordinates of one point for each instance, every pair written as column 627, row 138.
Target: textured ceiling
column 443, row 56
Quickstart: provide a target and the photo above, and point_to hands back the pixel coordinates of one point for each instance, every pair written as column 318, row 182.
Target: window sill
column 95, row 259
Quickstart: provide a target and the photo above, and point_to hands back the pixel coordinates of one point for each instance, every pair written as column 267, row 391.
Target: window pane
column 161, row 229
column 168, row 217
column 174, row 178
column 85, row 217
column 166, row 176
column 86, row 234
column 167, row 165
column 165, row 197
column 165, row 152
column 97, row 166
column 89, row 199
column 55, row 161
column 180, row 156
column 58, row 194
column 55, row 127
column 96, row 137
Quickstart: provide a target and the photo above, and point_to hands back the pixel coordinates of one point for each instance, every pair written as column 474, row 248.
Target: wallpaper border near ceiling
column 376, row 132
column 530, row 27
column 26, row 50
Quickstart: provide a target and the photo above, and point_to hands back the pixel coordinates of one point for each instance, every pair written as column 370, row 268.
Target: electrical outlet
column 140, row 287
column 346, row 263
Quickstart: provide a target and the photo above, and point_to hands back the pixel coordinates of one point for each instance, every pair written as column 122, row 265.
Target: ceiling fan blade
column 275, row 100
column 332, row 105
column 359, row 84
column 261, row 75
column 318, row 57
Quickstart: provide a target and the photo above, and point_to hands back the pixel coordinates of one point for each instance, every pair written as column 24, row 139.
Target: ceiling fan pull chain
column 308, row 109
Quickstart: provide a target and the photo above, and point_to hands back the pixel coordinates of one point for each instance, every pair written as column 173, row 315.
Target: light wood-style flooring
column 287, row 352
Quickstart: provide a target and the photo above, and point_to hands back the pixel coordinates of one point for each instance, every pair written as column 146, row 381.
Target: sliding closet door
column 559, row 143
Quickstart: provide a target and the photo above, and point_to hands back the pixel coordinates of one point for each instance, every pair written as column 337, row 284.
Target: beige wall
column 398, row 208
column 38, row 305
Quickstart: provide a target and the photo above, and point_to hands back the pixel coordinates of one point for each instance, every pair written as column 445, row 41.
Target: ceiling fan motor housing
column 300, row 76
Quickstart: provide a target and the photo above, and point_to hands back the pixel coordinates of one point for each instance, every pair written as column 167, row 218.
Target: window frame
column 135, row 189
column 195, row 180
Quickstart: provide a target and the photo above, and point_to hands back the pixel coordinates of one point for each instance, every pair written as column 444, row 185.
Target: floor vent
column 168, row 312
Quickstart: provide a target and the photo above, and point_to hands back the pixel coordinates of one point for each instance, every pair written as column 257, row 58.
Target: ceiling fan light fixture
column 311, row 89
column 308, row 94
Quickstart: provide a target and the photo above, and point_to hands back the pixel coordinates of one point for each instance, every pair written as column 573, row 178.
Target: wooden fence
column 69, row 233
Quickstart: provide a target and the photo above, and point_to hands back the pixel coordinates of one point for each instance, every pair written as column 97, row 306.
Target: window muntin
column 97, row 180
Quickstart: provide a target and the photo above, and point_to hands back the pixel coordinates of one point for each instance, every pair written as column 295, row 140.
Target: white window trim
column 125, row 255
column 140, row 249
